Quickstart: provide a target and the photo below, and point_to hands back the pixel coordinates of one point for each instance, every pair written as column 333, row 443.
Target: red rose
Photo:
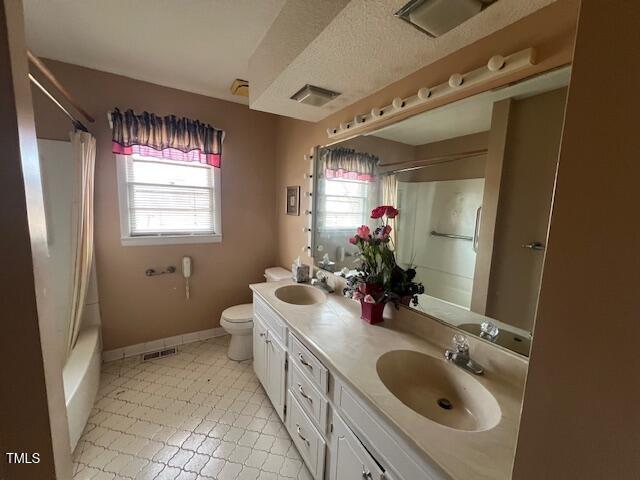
column 378, row 212
column 391, row 212
column 353, row 240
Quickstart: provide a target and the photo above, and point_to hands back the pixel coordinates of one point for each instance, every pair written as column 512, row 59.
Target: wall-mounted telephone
column 186, row 273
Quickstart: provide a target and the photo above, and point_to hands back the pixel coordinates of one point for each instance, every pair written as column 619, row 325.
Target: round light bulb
column 495, row 63
column 424, row 93
column 455, row 80
column 397, row 103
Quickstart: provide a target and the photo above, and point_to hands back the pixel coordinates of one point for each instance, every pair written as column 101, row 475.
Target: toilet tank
column 276, row 274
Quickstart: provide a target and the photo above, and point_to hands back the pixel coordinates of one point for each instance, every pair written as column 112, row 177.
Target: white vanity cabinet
column 349, row 458
column 259, row 350
column 338, row 435
column 269, row 362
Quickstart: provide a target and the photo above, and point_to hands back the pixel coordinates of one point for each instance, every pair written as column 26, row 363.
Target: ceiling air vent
column 315, row 96
column 437, row 17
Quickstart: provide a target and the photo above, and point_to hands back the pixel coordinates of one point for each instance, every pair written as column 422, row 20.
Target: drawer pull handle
column 299, row 431
column 365, row 474
column 304, row 362
column 262, row 334
column 304, row 395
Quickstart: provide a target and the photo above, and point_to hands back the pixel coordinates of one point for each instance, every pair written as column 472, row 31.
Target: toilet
column 237, row 321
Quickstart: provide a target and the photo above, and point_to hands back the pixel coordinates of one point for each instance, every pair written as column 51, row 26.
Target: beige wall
column 32, row 411
column 580, row 417
column 550, row 31
column 136, row 308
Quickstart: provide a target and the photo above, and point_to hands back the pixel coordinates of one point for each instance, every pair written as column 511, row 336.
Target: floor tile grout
column 228, row 391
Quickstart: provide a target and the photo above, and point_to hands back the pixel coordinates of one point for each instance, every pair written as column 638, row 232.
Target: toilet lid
column 239, row 313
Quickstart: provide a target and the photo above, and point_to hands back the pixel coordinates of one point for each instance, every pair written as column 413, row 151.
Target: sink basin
column 512, row 341
column 438, row 391
column 300, row 295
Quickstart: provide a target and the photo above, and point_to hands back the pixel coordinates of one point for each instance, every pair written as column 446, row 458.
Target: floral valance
column 167, row 137
column 349, row 164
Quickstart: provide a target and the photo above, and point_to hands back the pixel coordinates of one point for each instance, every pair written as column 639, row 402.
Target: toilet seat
column 238, row 313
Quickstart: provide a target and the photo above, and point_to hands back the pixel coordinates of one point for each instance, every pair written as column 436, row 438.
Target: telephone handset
column 186, row 273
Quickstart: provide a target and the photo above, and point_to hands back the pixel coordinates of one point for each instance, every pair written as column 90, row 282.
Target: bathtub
column 81, row 377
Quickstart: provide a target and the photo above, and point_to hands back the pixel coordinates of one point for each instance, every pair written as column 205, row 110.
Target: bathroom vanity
column 374, row 402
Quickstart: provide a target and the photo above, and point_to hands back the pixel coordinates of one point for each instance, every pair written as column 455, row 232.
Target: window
column 168, row 202
column 345, row 204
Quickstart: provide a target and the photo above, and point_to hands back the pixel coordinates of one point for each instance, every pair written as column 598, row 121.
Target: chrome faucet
column 489, row 331
column 460, row 355
column 322, row 281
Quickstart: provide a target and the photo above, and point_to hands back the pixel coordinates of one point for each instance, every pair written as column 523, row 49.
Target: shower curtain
column 390, row 197
column 84, row 155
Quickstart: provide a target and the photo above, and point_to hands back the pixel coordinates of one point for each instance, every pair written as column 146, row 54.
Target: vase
column 371, row 312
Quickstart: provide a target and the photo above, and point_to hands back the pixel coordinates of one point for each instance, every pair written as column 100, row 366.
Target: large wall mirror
column 474, row 183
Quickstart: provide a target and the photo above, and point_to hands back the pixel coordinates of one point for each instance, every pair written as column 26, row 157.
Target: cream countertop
column 350, row 348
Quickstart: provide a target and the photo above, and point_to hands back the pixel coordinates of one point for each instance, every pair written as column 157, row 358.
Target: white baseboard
column 154, row 345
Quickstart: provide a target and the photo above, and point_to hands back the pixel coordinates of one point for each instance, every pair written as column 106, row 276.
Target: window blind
column 168, row 198
column 344, row 204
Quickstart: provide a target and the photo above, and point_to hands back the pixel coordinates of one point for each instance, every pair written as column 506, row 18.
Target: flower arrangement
column 379, row 279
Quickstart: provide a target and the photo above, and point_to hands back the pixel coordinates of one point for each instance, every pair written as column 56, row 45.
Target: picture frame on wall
column 293, row 200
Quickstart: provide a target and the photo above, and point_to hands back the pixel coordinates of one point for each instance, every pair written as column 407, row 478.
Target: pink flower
column 391, row 212
column 383, row 234
column 378, row 212
column 357, row 295
column 353, row 240
column 363, row 232
column 369, row 299
column 362, row 288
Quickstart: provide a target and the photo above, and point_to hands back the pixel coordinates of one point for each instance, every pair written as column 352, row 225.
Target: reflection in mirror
column 473, row 181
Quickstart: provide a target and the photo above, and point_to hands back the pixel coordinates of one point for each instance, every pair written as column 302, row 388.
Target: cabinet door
column 276, row 358
column 260, row 351
column 349, row 459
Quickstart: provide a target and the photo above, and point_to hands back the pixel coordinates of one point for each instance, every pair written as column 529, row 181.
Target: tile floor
column 193, row 416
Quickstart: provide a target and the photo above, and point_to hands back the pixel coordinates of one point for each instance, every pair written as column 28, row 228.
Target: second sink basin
column 438, row 391
column 300, row 295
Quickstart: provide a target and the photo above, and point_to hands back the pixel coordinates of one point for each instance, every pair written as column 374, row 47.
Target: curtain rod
column 407, row 165
column 54, row 81
column 76, row 123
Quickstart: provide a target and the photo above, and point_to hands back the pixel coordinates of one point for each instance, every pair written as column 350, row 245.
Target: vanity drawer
column 306, row 438
column 270, row 318
column 309, row 364
column 309, row 398
column 378, row 439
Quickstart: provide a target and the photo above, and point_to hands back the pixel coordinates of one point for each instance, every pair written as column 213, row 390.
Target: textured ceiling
column 354, row 47
column 471, row 115
column 363, row 49
column 199, row 46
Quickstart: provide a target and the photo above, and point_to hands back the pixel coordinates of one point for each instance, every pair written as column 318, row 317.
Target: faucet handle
column 460, row 342
column 489, row 330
